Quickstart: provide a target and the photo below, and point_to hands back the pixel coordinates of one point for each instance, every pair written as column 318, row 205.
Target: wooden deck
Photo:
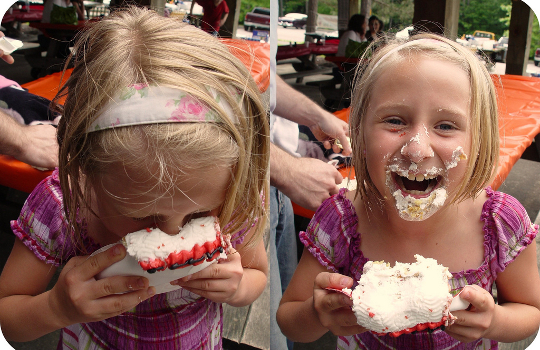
column 250, row 325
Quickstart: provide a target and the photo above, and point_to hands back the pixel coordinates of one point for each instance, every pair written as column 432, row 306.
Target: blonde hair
column 137, row 45
column 484, row 128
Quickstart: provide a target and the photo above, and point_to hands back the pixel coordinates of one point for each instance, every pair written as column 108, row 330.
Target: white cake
column 198, row 245
column 404, row 298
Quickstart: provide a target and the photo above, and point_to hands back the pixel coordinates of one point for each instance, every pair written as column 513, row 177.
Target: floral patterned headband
column 143, row 104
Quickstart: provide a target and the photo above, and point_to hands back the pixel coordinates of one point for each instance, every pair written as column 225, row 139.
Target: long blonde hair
column 483, row 108
column 136, row 46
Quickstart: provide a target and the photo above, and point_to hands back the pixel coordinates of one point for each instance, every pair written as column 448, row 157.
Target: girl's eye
column 394, row 121
column 445, row 127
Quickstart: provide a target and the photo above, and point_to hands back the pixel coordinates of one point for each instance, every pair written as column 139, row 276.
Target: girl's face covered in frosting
column 417, row 134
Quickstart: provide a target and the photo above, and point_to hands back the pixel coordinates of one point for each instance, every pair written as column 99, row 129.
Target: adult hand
column 78, row 298
column 310, row 182
column 334, row 309
column 474, row 323
column 38, row 146
column 328, row 129
column 218, row 282
column 7, row 58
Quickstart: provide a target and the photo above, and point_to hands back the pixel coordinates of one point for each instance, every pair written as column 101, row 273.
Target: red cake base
column 207, row 252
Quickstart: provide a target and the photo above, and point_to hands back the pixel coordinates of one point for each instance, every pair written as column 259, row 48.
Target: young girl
column 425, row 144
column 161, row 125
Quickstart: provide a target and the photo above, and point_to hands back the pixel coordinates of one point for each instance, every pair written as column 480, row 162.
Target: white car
column 297, row 20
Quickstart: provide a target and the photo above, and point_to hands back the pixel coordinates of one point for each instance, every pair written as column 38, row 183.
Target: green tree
column 482, row 15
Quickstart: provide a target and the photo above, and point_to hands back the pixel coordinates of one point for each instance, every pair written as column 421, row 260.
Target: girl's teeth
column 419, row 177
column 411, row 177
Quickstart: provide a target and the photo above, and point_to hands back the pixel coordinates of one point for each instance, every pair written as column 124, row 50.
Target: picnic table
column 519, row 125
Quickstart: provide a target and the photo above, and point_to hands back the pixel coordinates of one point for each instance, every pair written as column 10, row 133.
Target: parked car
column 297, row 20
column 258, row 18
column 537, row 57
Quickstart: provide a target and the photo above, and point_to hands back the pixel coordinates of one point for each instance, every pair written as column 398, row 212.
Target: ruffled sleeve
column 41, row 225
column 331, row 232
column 509, row 226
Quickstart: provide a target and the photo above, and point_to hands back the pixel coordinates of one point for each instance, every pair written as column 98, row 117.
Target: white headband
column 142, row 104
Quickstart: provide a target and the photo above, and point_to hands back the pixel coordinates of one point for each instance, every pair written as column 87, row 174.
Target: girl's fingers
column 332, row 302
column 97, row 263
column 118, row 285
column 118, row 304
column 332, row 280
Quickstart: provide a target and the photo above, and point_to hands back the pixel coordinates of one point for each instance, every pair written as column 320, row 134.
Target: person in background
column 356, row 30
column 375, row 28
column 49, row 4
column 215, row 13
column 32, row 144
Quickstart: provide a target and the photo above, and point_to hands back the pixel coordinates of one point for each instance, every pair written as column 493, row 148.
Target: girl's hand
column 77, row 297
column 475, row 322
column 334, row 309
column 218, row 282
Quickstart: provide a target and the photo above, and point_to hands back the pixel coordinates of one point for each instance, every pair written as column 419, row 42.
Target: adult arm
column 223, row 18
column 306, row 181
column 32, row 144
column 79, row 6
column 326, row 127
column 191, row 8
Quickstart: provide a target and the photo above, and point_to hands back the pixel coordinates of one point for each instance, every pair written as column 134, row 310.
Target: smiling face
column 127, row 204
column 416, row 133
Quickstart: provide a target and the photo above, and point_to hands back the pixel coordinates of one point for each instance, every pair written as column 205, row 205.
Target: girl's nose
column 171, row 226
column 418, row 148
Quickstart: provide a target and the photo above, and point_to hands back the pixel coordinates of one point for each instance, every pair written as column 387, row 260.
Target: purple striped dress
column 175, row 320
column 332, row 238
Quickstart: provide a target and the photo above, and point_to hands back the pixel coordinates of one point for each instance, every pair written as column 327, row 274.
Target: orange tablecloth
column 21, row 176
column 519, row 123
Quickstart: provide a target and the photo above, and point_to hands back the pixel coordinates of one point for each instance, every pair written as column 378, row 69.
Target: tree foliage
column 483, row 15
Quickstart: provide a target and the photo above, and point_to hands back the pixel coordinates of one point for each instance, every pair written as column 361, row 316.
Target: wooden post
column 344, row 14
column 311, row 25
column 429, row 15
column 228, row 30
column 158, row 6
column 451, row 19
column 365, row 8
column 519, row 38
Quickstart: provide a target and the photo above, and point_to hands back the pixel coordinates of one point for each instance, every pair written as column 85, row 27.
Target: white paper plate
column 9, row 45
column 129, row 266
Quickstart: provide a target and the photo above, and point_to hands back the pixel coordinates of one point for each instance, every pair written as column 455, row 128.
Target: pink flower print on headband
column 188, row 109
column 140, row 104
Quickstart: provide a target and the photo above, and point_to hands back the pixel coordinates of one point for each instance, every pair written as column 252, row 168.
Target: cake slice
column 198, row 241
column 404, row 298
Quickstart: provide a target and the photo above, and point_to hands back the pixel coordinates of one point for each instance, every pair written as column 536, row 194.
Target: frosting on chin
column 390, row 300
column 418, row 209
column 152, row 244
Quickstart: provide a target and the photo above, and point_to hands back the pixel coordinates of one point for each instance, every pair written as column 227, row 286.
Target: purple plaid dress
column 175, row 320
column 332, row 238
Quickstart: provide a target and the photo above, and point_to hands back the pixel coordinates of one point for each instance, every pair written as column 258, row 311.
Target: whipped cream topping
column 349, row 184
column 457, row 155
column 149, row 244
column 393, row 299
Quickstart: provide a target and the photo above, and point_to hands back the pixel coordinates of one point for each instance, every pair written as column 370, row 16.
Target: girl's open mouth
column 417, row 185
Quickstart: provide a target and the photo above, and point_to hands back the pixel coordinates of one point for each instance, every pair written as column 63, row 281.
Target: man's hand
column 306, row 181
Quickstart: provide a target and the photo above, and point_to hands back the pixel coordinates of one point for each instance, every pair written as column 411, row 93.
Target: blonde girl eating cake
column 161, row 125
column 424, row 135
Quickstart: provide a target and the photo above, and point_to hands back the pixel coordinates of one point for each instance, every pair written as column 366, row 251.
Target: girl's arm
column 28, row 312
column 307, row 311
column 237, row 281
column 517, row 314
